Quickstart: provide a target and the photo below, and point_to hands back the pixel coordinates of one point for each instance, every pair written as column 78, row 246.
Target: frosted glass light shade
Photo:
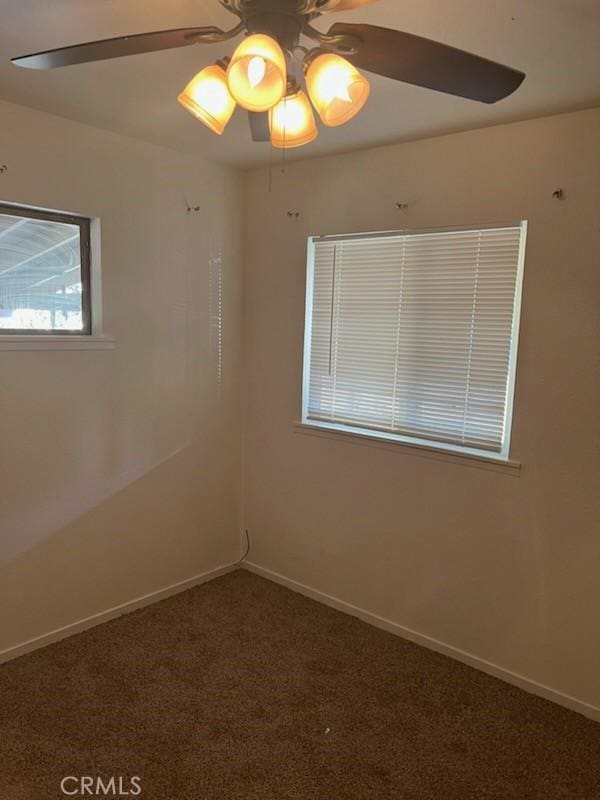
column 292, row 122
column 257, row 74
column 337, row 89
column 207, row 97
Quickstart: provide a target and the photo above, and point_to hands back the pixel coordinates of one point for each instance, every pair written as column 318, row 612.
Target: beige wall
column 119, row 469
column 500, row 564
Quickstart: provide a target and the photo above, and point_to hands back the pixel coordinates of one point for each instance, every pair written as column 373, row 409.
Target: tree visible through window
column 44, row 272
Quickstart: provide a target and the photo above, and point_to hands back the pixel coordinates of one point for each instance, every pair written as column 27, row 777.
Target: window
column 412, row 336
column 44, row 272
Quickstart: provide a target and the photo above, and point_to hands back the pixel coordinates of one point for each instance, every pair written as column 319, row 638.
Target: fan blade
column 423, row 62
column 345, row 5
column 259, row 126
column 114, row 48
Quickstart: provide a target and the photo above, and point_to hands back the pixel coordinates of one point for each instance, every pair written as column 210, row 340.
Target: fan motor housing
column 244, row 8
column 283, row 20
column 284, row 28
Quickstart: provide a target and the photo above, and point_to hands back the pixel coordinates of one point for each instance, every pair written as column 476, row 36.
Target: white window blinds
column 414, row 334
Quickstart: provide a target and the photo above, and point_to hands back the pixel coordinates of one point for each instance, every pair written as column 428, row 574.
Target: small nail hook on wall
column 402, row 207
column 293, row 214
column 558, row 194
column 3, row 168
column 189, row 207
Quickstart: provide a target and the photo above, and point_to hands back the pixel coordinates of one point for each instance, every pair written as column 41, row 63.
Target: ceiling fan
column 259, row 76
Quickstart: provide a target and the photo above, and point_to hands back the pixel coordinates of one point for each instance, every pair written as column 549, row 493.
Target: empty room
column 299, row 399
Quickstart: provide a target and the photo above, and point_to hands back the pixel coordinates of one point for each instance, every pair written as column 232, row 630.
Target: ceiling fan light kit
column 208, row 98
column 257, row 74
column 257, row 77
column 292, row 122
column 337, row 89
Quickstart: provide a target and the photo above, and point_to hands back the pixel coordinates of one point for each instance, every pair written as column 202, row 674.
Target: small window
column 44, row 272
column 413, row 336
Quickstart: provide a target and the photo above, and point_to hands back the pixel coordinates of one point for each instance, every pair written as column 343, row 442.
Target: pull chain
column 284, row 135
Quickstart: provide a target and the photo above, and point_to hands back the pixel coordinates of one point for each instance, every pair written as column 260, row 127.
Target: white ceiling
column 556, row 42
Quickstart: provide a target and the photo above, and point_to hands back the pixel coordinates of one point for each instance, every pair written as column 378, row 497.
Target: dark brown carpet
column 240, row 689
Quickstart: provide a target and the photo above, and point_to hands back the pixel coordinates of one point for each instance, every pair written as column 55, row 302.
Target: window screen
column 44, row 272
column 413, row 335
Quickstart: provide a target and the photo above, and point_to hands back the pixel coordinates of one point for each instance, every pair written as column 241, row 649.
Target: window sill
column 424, row 451
column 58, row 342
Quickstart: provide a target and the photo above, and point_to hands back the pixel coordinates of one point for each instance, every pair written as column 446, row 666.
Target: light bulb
column 334, row 84
column 257, row 74
column 337, row 89
column 207, row 97
column 292, row 122
column 256, row 71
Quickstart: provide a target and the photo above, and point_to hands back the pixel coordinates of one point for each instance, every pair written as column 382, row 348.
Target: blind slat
column 414, row 334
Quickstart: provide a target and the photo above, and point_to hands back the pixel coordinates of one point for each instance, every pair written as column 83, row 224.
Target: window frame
column 504, row 455
column 84, row 225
